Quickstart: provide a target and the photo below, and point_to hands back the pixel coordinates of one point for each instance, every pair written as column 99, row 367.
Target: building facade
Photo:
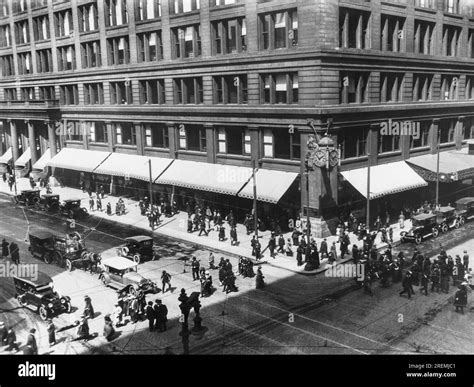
column 235, row 82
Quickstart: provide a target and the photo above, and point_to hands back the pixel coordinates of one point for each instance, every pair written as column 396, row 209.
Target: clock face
column 333, row 158
column 320, row 158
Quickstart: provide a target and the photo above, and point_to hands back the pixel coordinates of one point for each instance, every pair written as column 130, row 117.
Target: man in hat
column 259, row 280
column 5, row 251
column 88, row 309
column 465, row 260
column 281, row 244
column 31, row 346
column 195, row 268
column 407, row 284
column 15, row 253
column 11, row 340
column 109, row 330
column 165, row 280
column 150, row 315
column 51, row 333
column 161, row 316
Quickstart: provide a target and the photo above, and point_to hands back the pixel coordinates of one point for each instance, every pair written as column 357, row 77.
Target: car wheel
column 103, row 279
column 68, row 307
column 84, row 211
column 48, row 257
column 71, row 214
column 444, row 228
column 133, row 291
column 136, row 258
column 21, row 301
column 462, row 220
column 457, row 223
column 68, row 264
column 435, row 232
column 43, row 312
column 418, row 239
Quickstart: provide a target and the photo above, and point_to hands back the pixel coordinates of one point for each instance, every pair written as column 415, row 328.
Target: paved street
column 294, row 314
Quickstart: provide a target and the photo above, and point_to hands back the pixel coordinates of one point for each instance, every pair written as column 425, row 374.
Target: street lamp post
column 151, row 184
column 437, row 169
column 255, row 216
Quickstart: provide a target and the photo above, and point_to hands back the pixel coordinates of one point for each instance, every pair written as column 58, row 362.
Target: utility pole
column 437, row 170
column 255, row 216
column 367, row 219
column 151, row 184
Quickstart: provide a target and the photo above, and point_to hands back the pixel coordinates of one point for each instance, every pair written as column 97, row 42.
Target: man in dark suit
column 161, row 315
column 15, row 253
column 150, row 315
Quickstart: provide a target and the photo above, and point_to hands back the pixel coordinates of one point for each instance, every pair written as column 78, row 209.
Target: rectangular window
column 195, row 136
column 156, row 135
column 63, row 23
column 422, row 139
column 186, row 42
column 470, row 87
column 218, row 3
column 232, row 140
column 449, row 87
column 279, row 88
column 391, row 87
column 69, row 95
column 278, row 30
column 354, row 87
column 25, row 66
column 424, row 3
column 229, row 36
column 93, row 94
column 152, row 91
column 285, row 145
column 88, row 17
column 121, row 93
column 90, row 53
column 4, row 11
column 27, row 93
column 115, row 12
column 230, row 89
column 422, row 87
column 118, row 51
column 47, row 92
column 66, row 58
column 446, row 130
column 8, row 68
column 388, row 143
column 10, row 94
column 147, row 9
column 451, row 40
column 75, row 130
column 268, row 143
column 188, row 90
column 44, row 61
column 22, row 32
column 182, row 6
column 5, row 36
column 470, row 44
column 150, row 46
column 97, row 132
column 354, row 29
column 125, row 133
column 18, row 6
column 424, row 32
column 41, row 28
column 353, row 142
column 451, row 6
column 392, row 33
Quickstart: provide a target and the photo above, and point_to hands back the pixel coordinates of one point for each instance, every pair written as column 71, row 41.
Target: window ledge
column 233, row 156
column 125, row 146
column 191, row 152
column 425, row 9
column 156, row 148
column 275, row 160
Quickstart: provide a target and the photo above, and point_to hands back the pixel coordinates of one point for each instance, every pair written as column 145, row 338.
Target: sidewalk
column 176, row 227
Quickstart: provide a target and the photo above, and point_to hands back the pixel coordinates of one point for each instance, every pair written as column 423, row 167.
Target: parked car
column 28, row 197
column 49, row 202
column 38, row 292
column 446, row 218
column 72, row 208
column 464, row 209
column 423, row 225
column 138, row 248
column 44, row 245
column 122, row 274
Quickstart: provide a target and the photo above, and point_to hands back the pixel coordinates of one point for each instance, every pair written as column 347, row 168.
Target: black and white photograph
column 237, row 177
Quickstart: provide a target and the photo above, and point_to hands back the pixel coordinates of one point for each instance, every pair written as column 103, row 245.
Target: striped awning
column 23, row 159
column 134, row 166
column 7, row 156
column 385, row 179
column 41, row 163
column 78, row 159
column 219, row 178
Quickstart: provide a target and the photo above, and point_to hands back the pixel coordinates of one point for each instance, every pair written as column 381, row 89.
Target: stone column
column 173, row 141
column 14, row 140
column 434, row 136
column 458, row 132
column 52, row 138
column 32, row 142
column 210, row 143
column 140, row 138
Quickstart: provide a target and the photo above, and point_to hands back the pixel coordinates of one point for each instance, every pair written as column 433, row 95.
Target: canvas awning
column 134, row 166
column 385, row 179
column 219, row 178
column 23, row 159
column 41, row 163
column 7, row 156
column 78, row 159
column 271, row 185
column 453, row 165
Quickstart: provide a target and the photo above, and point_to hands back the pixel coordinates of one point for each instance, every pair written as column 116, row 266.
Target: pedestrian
column 91, row 203
column 51, row 333
column 83, row 330
column 15, row 253
column 233, row 236
column 221, row 233
column 211, row 261
column 344, row 244
column 259, row 280
column 161, row 316
column 165, row 280
column 150, row 315
column 5, row 245
column 401, row 220
column 252, row 244
column 281, row 244
column 109, row 209
column 334, row 251
column 11, row 340
column 11, row 182
column 390, row 234
column 258, row 250
column 367, row 283
column 195, row 268
column 460, row 299
column 289, row 248
column 272, row 245
column 407, row 284
column 3, row 334
column 299, row 255
column 323, row 249
column 109, row 331
column 465, row 260
column 118, row 314
column 31, row 346
column 435, row 278
column 202, row 226
column 4, row 177
column 424, row 283
column 99, row 203
column 88, row 309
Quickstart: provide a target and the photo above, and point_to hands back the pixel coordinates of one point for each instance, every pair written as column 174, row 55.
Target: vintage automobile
column 464, row 209
column 423, row 225
column 138, row 248
column 122, row 274
column 49, row 202
column 446, row 218
column 72, row 208
column 28, row 197
column 37, row 291
column 44, row 245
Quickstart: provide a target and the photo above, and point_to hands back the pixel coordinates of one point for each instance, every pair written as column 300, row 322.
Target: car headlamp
column 50, row 305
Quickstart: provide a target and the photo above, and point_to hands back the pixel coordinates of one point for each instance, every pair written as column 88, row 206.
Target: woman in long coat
column 51, row 333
